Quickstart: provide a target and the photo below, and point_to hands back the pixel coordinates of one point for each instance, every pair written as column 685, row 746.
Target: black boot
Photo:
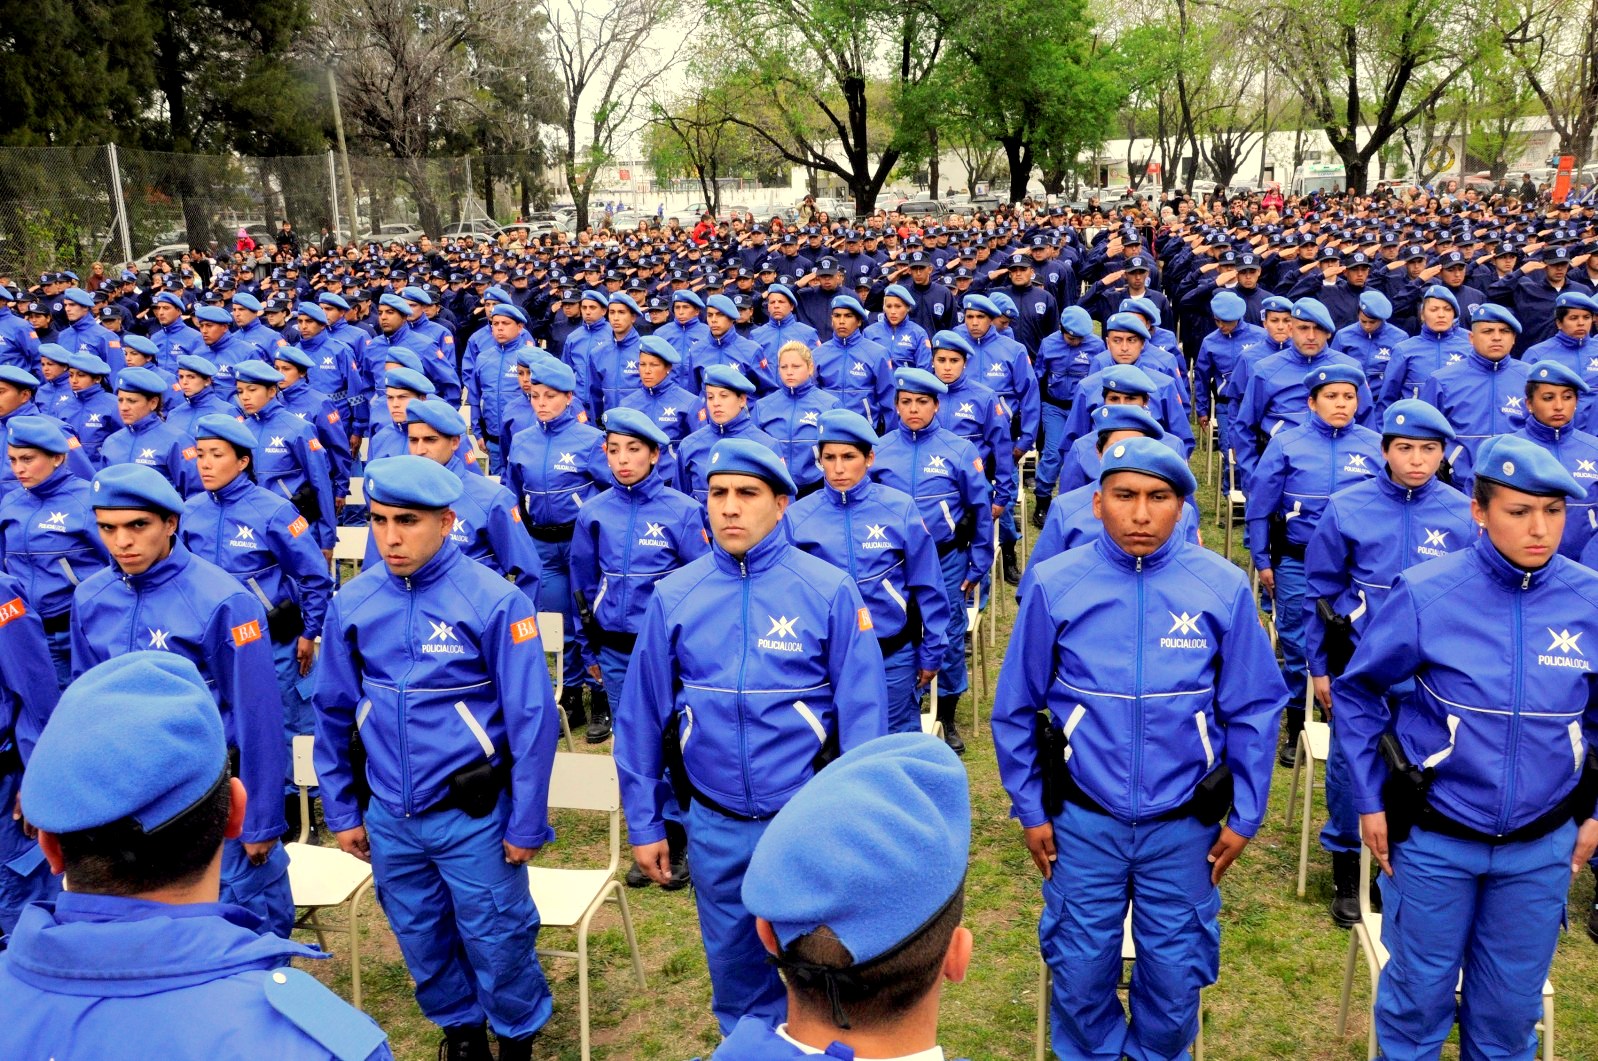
column 465, row 1042
column 515, row 1049
column 1040, row 509
column 571, row 702
column 1012, row 566
column 291, row 814
column 1295, row 725
column 1592, row 915
column 677, row 849
column 947, row 706
column 1345, row 878
column 598, row 716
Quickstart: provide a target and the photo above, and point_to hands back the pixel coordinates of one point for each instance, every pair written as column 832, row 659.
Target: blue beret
column 1558, row 374
column 980, row 303
column 1521, row 464
column 212, row 315
column 552, row 372
column 1413, row 418
column 412, row 482
column 634, row 422
column 409, row 379
column 1126, row 379
column 247, row 301
column 418, row 295
column 723, row 305
column 1003, row 303
column 1311, row 309
column 198, row 365
column 728, row 377
column 1275, row 304
column 844, row 425
column 140, row 344
column 784, row 291
column 1491, row 312
column 170, row 299
column 257, row 371
column 399, row 355
column 167, row 732
column 686, row 296
column 1127, row 322
column 620, row 299
column 78, row 296
column 850, row 303
column 1142, row 305
column 141, row 381
column 84, row 361
column 595, row 296
column 654, row 344
column 952, row 340
column 226, row 428
column 313, row 311
column 21, row 377
column 1151, row 457
column 327, row 298
column 293, row 355
column 918, row 381
column 1126, row 417
column 1228, row 306
column 37, row 432
column 1074, row 320
column 1438, row 291
column 497, row 294
column 394, row 302
column 134, row 486
column 1336, row 372
column 740, row 456
column 529, row 354
column 892, row 816
column 1375, row 305
column 507, row 309
column 900, row 292
column 1569, row 299
column 436, row 413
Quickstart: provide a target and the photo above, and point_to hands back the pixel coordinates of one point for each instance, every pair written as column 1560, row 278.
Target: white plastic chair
column 552, row 632
column 350, row 547
column 1366, row 936
column 929, row 718
column 1314, row 747
column 569, row 898
column 321, row 878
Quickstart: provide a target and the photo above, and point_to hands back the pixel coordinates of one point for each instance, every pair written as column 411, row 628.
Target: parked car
column 921, row 208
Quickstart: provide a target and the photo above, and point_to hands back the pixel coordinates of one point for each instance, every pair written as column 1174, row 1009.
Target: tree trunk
column 488, row 187
column 932, row 160
column 427, row 210
column 1019, row 155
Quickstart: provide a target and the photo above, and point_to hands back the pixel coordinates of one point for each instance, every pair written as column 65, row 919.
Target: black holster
column 1051, row 762
column 1339, row 640
column 475, row 790
column 360, row 787
column 1213, row 796
column 285, row 622
column 307, row 503
column 1404, row 791
column 965, row 531
column 671, row 758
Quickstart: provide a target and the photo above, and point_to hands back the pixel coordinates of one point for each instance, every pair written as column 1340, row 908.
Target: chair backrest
column 1365, row 911
column 304, row 762
column 357, row 493
column 552, row 632
column 351, row 544
column 584, row 782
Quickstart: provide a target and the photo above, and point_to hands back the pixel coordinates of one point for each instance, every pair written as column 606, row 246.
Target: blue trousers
column 951, row 676
column 463, row 916
column 61, row 655
column 1341, row 832
column 1051, row 453
column 1290, row 589
column 1494, row 911
column 1161, row 868
column 491, row 447
column 25, row 876
column 904, row 701
column 299, row 717
column 1007, row 529
column 555, row 595
column 742, row 982
column 262, row 890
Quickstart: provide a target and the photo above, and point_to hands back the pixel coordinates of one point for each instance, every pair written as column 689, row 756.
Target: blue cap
column 723, row 305
column 507, row 309
column 784, row 290
column 892, row 816
column 1557, row 374
column 1074, row 320
column 1126, row 379
column 1151, row 457
column 328, row 298
column 226, row 428
column 900, row 292
column 951, row 340
column 412, row 482
column 293, row 355
column 170, row 748
column 1569, row 299
column 1127, row 322
column 408, row 379
column 84, row 361
column 529, row 354
column 635, row 423
column 980, row 303
column 1003, row 303
column 1126, row 417
column 1336, row 372
column 552, row 372
column 170, row 299
column 1228, row 306
column 600, row 297
column 918, row 381
column 19, row 377
column 1375, row 305
column 212, row 315
column 198, row 365
column 257, row 371
column 844, row 425
column 654, row 344
column 1275, row 304
column 687, row 296
column 134, row 486
column 313, row 311
column 850, row 303
column 1413, row 418
column 418, row 295
column 78, row 296
column 394, row 302
column 1491, row 312
column 140, row 344
column 497, row 294
column 37, row 432
column 399, row 355
column 1438, row 291
column 141, row 381
column 1311, row 309
column 1141, row 305
column 436, row 413
column 728, row 377
column 622, row 299
column 247, row 301
column 740, row 456
column 1521, row 464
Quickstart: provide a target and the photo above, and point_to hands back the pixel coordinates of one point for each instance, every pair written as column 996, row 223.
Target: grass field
column 1281, row 956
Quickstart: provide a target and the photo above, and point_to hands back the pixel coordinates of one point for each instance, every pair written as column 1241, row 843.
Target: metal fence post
column 332, row 192
column 116, row 201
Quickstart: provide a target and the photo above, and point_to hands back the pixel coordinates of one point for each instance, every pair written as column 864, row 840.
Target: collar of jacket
column 448, row 555
column 1126, row 561
column 762, row 556
column 739, row 423
column 237, row 488
column 645, row 489
column 1486, row 364
column 1502, row 571
column 800, row 389
column 270, row 409
column 566, row 416
column 1405, row 494
column 1538, row 431
column 852, row 496
column 162, row 571
column 1324, row 428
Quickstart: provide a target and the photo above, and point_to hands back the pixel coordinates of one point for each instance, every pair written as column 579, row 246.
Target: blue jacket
column 944, row 474
column 155, row 443
column 1006, row 368
column 1502, row 711
column 1218, row 355
column 88, row 334
column 288, row 456
column 906, row 346
column 257, row 537
column 1577, row 450
column 1374, row 352
column 1071, row 523
column 579, row 341
column 334, row 371
column 693, row 452
column 857, row 372
column 332, row 429
column 609, row 374
column 684, row 336
column 438, row 672
column 765, row 658
column 1480, row 398
column 28, row 689
column 226, row 352
column 1152, row 357
column 555, row 467
column 1580, row 357
column 184, row 411
column 673, row 409
column 792, row 416
column 1417, row 359
column 732, row 349
column 1301, row 469
column 876, row 534
column 49, row 541
column 1192, row 682
column 189, row 606
column 626, row 540
column 173, row 341
column 118, row 979
column 92, row 417
column 19, row 343
column 1367, row 534
column 972, row 411
column 374, row 355
column 1166, row 406
column 1276, row 399
column 1061, row 367
column 772, row 334
column 491, row 381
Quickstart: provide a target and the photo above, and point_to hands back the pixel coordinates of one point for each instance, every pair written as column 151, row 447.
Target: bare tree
column 1554, row 45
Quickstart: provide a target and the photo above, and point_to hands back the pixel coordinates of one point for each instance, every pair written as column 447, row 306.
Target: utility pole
column 344, row 156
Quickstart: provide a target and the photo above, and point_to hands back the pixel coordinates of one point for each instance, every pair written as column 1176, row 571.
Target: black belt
column 1203, row 798
column 1289, row 551
column 890, row 645
column 710, row 804
column 552, row 532
column 10, row 760
column 945, row 548
column 58, row 624
column 1564, row 811
column 490, row 438
column 616, row 640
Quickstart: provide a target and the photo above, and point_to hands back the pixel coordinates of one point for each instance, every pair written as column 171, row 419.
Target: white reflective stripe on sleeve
column 687, row 726
column 1276, row 427
column 1359, row 613
column 810, row 717
column 1071, row 722
column 1453, row 458
column 1592, row 518
column 1437, row 757
column 477, row 731
column 66, row 569
column 947, row 515
column 360, row 716
column 1204, row 738
column 898, row 598
column 604, row 584
column 1578, row 748
column 1298, row 510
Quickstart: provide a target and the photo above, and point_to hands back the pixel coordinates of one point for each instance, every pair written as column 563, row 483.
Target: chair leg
column 1043, row 1009
column 1198, row 1037
column 627, row 930
column 1548, row 1028
column 316, row 926
column 1348, row 982
column 1371, row 1052
column 1292, row 792
column 1304, row 762
column 355, row 944
column 582, row 981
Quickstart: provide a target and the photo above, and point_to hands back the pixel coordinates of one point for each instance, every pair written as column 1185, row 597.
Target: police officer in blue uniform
column 1553, row 395
column 757, row 663
column 1120, row 411
column 454, row 711
column 144, row 957
column 92, row 413
column 145, row 437
column 1439, row 342
column 320, row 411
column 289, row 459
column 199, row 395
column 726, row 414
column 1142, row 755
column 157, row 595
column 791, row 414
column 876, row 533
column 660, row 396
column 1484, row 394
column 865, row 944
column 28, row 692
column 491, row 383
column 1062, row 362
column 1475, row 792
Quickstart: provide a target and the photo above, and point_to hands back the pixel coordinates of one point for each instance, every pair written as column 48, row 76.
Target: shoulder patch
column 523, row 630
column 977, row 464
column 190, row 453
column 73, row 443
column 12, row 609
column 313, row 445
column 345, row 1032
column 863, row 618
column 245, row 633
column 332, row 417
column 298, row 527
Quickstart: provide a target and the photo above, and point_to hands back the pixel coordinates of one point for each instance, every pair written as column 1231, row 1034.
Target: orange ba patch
column 314, row 446
column 977, row 464
column 190, row 453
column 73, row 443
column 298, row 527
column 864, row 616
column 244, row 634
column 12, row 609
column 523, row 630
column 332, row 417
